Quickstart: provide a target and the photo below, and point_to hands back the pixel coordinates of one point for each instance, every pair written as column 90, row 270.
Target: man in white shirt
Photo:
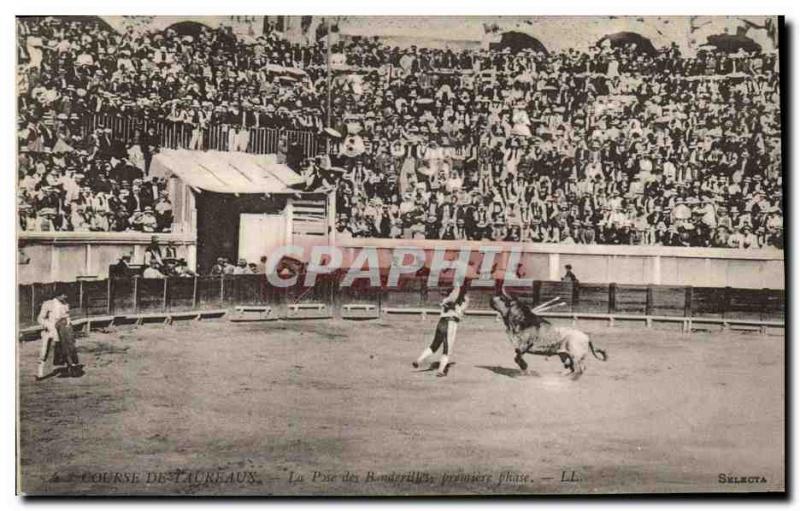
column 57, row 337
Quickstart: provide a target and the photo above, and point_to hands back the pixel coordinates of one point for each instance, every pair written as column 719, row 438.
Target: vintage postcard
column 400, row 256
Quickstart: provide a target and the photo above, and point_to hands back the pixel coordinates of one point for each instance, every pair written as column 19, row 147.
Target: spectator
column 219, row 267
column 152, row 253
column 182, row 269
column 122, row 269
column 569, row 276
column 152, row 271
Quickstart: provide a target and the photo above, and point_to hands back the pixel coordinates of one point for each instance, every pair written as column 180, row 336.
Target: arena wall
column 638, row 265
column 124, row 300
column 65, row 256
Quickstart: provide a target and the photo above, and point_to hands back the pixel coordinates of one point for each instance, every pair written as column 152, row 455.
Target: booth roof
column 226, row 172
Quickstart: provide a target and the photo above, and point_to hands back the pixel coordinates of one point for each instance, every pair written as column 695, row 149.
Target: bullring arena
column 302, row 407
column 175, row 173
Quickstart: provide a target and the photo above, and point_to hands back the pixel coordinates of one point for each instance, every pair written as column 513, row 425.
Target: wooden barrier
column 322, row 311
column 180, row 294
column 123, row 298
column 592, row 297
column 630, row 300
column 668, row 301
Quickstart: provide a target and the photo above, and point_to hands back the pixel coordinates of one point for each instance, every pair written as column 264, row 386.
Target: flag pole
column 328, row 67
column 328, row 87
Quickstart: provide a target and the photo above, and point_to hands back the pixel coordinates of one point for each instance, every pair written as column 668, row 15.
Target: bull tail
column 598, row 350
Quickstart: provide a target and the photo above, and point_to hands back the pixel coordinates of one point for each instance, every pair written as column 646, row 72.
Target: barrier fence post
column 164, row 295
column 33, row 302
column 80, row 297
column 612, row 298
column 648, row 303
column 108, row 296
column 537, row 292
column 222, row 289
column 687, row 305
column 194, row 293
column 136, row 293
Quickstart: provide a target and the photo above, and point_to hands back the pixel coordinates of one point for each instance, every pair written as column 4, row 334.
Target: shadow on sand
column 434, row 366
column 508, row 371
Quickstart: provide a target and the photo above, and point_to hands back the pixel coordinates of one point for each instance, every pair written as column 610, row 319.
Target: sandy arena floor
column 334, row 407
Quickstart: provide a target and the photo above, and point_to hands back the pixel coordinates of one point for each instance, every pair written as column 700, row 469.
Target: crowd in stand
column 74, row 191
column 613, row 145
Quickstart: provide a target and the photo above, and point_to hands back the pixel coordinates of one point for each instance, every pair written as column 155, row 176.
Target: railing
column 138, row 295
column 176, row 135
column 135, row 295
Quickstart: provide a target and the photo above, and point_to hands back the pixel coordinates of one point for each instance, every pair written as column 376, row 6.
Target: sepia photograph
column 400, row 256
